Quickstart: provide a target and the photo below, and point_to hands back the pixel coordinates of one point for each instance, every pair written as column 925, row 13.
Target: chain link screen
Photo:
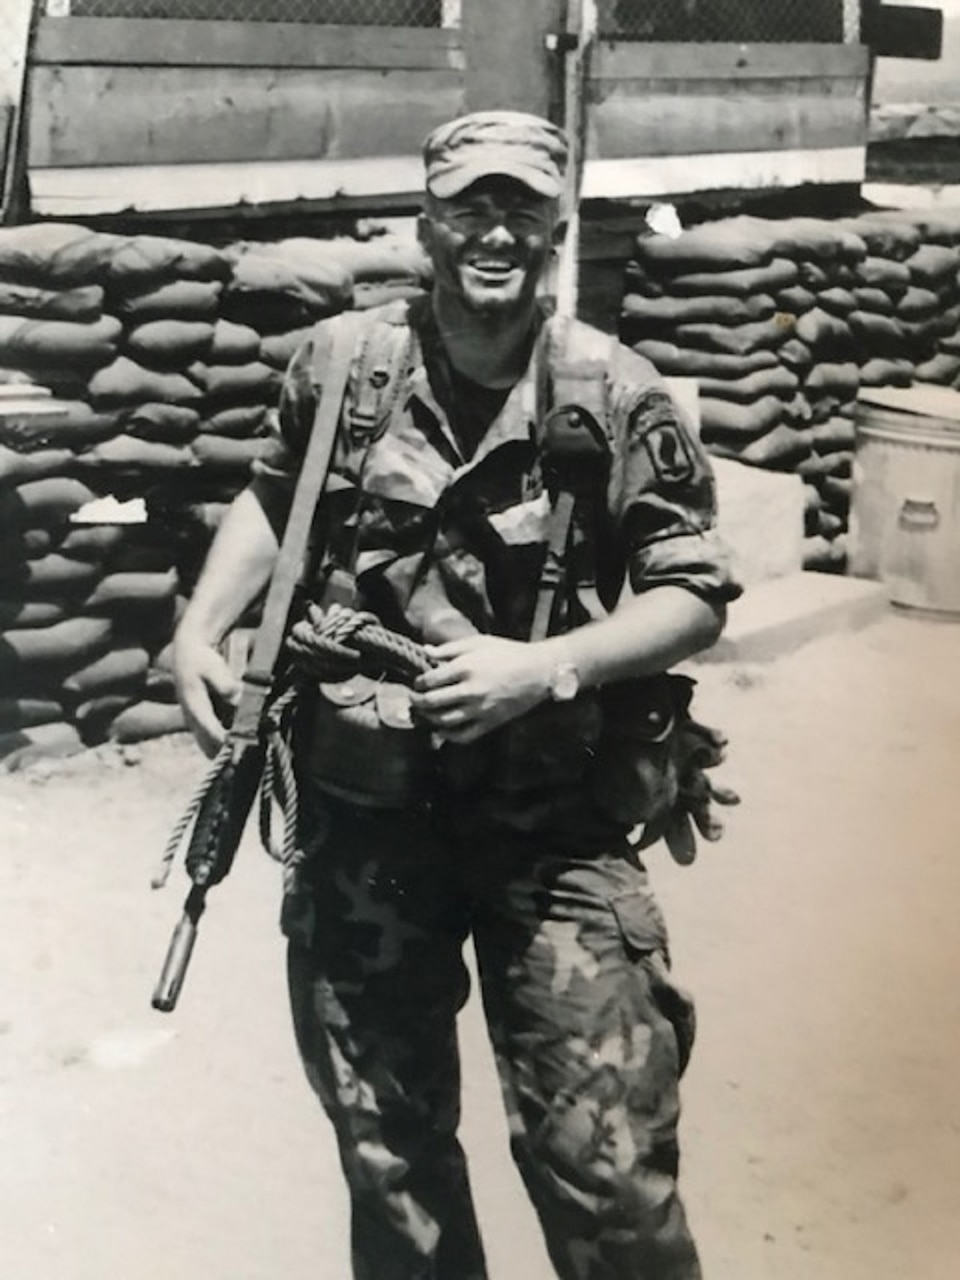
column 740, row 21
column 373, row 13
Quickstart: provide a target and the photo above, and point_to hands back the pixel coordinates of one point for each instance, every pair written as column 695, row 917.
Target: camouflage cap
column 521, row 146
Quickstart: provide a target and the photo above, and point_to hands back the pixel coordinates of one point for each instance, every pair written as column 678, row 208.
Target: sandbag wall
column 169, row 355
column 783, row 321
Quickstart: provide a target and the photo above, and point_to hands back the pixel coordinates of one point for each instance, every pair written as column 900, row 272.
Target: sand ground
column 822, row 1110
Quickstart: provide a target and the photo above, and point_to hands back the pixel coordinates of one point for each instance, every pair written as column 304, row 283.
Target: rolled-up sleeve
column 663, row 495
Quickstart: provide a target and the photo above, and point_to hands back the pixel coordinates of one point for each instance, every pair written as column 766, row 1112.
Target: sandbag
column 368, row 294
column 869, row 298
column 939, row 225
column 237, row 383
column 53, row 576
column 16, row 468
column 780, row 448
column 75, row 426
column 128, row 453
column 839, row 380
column 797, row 410
column 147, row 720
column 724, row 418
column 56, row 254
column 816, row 238
column 43, row 502
column 796, row 300
column 131, row 589
column 124, row 382
column 31, row 343
column 721, row 246
column 837, row 301
column 817, row 465
column 886, row 373
column 741, row 341
column 917, row 303
column 933, row 264
column 277, row 350
column 23, row 713
column 121, row 669
column 879, row 335
column 836, row 433
column 83, row 304
column 669, row 359
column 222, row 453
column 22, row 615
column 883, row 237
column 824, row 334
column 160, row 686
column 316, row 285
column 94, row 717
column 777, row 275
column 33, row 544
column 795, row 354
column 381, row 257
column 882, row 273
column 816, row 553
column 163, row 423
column 242, row 422
column 659, row 315
column 24, row 747
column 142, row 260
column 66, row 646
column 233, row 343
column 836, row 491
column 777, row 382
column 943, row 369
column 829, row 524
column 178, row 300
column 94, row 542
column 170, row 344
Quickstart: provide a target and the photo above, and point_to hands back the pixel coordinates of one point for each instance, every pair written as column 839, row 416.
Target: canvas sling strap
column 254, row 756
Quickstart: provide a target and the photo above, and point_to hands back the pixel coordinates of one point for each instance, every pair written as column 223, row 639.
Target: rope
column 325, row 646
column 342, row 642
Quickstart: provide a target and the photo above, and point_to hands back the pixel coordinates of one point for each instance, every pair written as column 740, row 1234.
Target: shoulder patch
column 669, row 454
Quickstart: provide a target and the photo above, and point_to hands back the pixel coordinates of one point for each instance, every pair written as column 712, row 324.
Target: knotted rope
column 329, row 646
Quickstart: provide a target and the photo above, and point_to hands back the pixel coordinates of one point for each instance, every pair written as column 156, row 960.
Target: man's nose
column 498, row 234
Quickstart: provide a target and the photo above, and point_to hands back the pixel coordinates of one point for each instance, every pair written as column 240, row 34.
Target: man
column 440, row 527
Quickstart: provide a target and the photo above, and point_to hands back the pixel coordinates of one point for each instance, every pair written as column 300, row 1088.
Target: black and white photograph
column 479, row 639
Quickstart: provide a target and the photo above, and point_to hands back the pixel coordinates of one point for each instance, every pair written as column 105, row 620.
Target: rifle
column 254, row 755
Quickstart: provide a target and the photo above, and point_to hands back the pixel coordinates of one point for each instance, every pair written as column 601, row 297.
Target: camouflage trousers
column 589, row 1033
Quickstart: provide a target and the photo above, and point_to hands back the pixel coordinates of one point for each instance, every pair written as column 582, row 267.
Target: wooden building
column 160, row 106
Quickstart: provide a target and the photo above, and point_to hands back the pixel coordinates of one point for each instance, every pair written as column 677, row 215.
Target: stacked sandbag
column 164, row 358
column 783, row 321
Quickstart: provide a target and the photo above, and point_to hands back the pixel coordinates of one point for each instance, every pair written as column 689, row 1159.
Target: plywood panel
column 127, row 115
column 147, row 42
column 633, row 61
column 633, row 118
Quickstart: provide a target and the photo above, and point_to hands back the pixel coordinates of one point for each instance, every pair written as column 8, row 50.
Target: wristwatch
column 564, row 682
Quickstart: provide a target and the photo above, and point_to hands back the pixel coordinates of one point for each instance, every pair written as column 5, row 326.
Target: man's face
column 489, row 244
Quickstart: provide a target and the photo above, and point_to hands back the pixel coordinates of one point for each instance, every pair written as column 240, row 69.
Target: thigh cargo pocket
column 644, row 933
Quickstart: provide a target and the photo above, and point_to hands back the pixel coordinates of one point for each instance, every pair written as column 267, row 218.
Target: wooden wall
column 122, row 91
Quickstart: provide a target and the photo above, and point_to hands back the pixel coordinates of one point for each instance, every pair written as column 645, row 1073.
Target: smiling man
column 436, row 518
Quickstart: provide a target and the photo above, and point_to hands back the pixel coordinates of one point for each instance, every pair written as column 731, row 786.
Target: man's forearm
column 237, row 568
column 646, row 634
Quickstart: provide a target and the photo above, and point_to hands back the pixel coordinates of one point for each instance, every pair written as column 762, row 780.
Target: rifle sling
column 258, row 677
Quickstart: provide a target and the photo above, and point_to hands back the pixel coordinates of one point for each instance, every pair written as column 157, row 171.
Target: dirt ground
column 822, row 1114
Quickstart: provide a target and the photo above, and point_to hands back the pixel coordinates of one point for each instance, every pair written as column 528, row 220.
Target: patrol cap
column 513, row 143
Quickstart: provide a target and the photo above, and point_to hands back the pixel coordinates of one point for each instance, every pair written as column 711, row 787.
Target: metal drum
column 905, row 508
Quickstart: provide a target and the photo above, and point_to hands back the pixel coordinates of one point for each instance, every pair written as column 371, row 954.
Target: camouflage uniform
column 590, row 1034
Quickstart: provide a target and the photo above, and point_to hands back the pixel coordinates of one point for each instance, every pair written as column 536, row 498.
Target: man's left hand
column 478, row 684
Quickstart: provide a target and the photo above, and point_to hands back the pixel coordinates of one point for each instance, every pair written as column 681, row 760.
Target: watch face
column 565, row 682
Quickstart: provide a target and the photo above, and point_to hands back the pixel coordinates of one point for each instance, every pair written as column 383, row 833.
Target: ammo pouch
column 362, row 745
column 551, row 746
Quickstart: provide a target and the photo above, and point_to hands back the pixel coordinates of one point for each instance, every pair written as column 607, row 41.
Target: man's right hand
column 204, row 681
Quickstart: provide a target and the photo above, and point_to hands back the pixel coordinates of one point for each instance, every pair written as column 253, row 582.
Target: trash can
column 905, row 503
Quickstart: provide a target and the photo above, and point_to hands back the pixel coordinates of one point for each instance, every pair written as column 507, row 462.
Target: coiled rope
column 323, row 646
